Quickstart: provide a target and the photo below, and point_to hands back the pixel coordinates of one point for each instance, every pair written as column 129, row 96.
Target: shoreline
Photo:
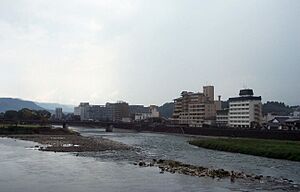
column 63, row 140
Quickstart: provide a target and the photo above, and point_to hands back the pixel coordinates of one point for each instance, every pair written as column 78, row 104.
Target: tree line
column 26, row 114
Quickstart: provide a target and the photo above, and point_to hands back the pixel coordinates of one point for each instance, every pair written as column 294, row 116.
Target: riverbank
column 288, row 150
column 60, row 140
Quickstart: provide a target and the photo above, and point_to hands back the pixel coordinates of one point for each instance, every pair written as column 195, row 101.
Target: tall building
column 110, row 111
column 58, row 113
column 208, row 91
column 194, row 109
column 117, row 111
column 245, row 111
column 97, row 112
column 84, row 111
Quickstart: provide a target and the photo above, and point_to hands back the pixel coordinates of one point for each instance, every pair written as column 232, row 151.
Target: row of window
column 246, row 126
column 236, row 105
column 239, row 113
column 197, row 106
column 239, row 109
column 192, row 118
column 188, row 114
column 197, row 110
column 221, row 118
column 197, row 114
column 233, row 121
column 239, row 117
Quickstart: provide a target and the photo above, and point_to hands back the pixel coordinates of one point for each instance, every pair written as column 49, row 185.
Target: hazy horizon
column 147, row 52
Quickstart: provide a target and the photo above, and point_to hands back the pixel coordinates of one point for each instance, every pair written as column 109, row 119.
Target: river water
column 24, row 169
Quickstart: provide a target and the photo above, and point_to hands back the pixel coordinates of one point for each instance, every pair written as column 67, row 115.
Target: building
column 141, row 116
column 296, row 113
column 109, row 112
column 133, row 109
column 84, row 111
column 194, row 109
column 277, row 123
column 77, row 111
column 58, row 113
column 117, row 111
column 222, row 118
column 151, row 113
column 293, row 124
column 97, row 112
column 154, row 111
column 245, row 111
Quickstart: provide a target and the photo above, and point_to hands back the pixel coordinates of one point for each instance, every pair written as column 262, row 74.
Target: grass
column 8, row 129
column 20, row 125
column 289, row 150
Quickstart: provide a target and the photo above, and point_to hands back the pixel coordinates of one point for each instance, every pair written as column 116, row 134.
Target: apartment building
column 108, row 112
column 117, row 111
column 245, row 111
column 222, row 117
column 194, row 109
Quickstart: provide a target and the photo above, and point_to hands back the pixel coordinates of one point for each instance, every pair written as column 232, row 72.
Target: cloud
column 147, row 51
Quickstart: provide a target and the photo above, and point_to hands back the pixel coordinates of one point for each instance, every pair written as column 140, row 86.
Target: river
column 24, row 169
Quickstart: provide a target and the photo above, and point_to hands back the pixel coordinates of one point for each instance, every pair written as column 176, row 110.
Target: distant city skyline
column 147, row 52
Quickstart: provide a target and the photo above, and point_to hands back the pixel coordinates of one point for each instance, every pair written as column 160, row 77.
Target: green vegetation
column 289, row 150
column 21, row 126
column 29, row 129
column 9, row 129
column 26, row 114
column 278, row 108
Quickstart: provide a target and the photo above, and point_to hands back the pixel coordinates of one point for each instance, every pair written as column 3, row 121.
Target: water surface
column 24, row 169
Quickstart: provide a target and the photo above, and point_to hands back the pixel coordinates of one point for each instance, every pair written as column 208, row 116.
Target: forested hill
column 17, row 104
column 166, row 110
column 276, row 107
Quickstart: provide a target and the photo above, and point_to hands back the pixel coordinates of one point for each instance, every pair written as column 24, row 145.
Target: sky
column 147, row 52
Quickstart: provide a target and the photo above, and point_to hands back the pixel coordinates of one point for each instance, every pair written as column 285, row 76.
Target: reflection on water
column 24, row 169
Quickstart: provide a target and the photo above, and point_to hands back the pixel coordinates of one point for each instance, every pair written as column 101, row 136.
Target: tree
column 11, row 115
column 26, row 114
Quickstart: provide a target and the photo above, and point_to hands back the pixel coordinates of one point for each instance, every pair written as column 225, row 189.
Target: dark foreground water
column 23, row 169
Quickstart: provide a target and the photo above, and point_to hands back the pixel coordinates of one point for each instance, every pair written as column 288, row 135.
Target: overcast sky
column 148, row 51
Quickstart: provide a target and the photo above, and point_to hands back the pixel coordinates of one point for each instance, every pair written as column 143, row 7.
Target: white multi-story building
column 83, row 111
column 245, row 111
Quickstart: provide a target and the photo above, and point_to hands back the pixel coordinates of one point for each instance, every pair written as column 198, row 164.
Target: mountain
column 51, row 107
column 17, row 104
column 166, row 110
column 276, row 107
